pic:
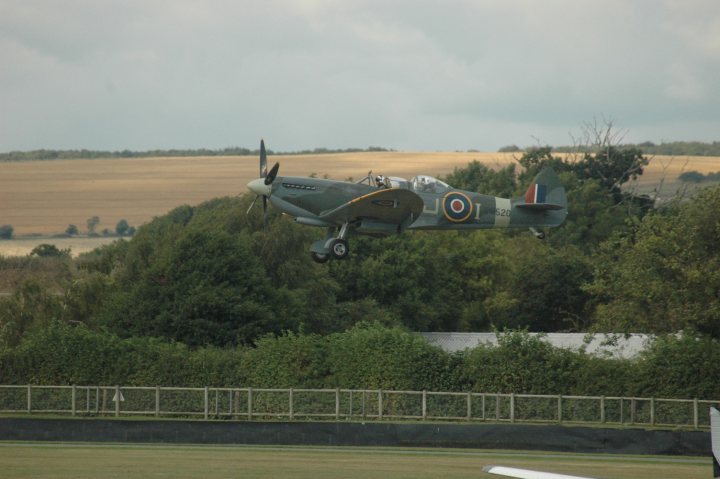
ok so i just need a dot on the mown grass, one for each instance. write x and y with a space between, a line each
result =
21 460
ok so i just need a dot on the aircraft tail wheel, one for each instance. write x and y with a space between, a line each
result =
339 248
538 234
319 258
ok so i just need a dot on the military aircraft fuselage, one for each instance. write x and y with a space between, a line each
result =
307 199
380 206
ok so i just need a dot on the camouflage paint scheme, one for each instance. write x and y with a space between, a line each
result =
381 207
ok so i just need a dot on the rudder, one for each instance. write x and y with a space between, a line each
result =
544 193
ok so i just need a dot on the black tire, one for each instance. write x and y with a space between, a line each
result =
339 248
319 257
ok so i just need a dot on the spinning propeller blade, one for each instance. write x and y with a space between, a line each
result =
273 173
251 205
263 160
261 186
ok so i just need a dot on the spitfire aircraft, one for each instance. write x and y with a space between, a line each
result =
381 206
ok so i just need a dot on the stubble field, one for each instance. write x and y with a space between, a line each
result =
44 197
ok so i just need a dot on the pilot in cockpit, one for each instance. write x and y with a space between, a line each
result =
381 182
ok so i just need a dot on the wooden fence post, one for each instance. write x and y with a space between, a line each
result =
652 411
512 407
380 404
206 400
337 404
424 404
290 405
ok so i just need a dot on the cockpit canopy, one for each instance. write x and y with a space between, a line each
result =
428 184
420 184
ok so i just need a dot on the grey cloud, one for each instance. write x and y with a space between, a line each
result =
404 74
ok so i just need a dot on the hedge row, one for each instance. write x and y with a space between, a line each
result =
368 356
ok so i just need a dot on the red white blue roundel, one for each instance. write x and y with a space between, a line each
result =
457 207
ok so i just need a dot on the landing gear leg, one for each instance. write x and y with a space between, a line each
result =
339 247
319 251
335 247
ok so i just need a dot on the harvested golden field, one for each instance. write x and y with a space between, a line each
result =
23 246
44 197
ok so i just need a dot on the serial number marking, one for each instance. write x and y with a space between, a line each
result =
502 212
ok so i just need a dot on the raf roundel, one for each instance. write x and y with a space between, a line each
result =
457 207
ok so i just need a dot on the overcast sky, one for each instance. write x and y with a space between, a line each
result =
410 75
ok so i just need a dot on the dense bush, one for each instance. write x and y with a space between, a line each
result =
369 356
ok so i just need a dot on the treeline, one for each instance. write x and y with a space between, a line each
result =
211 278
697 177
368 356
672 148
230 151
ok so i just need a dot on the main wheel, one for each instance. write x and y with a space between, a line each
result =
339 248
319 257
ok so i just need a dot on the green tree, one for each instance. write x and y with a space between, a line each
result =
544 290
6 232
30 307
478 177
92 223
72 230
49 250
287 360
207 288
612 167
525 364
509 149
663 277
370 356
679 366
429 281
122 227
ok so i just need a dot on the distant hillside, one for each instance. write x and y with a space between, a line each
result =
674 148
231 151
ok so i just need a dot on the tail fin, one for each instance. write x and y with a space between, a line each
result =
545 193
715 440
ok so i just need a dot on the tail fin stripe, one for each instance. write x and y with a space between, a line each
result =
537 193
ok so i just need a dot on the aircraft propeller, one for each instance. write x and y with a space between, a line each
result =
262 186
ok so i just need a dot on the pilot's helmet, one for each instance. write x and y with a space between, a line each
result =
380 180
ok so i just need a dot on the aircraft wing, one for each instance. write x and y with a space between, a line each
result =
527 474
392 205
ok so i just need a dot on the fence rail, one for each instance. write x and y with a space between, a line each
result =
351 404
